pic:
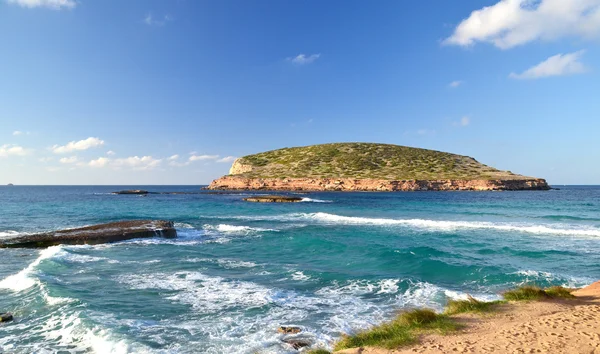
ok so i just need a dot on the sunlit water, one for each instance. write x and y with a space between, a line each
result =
333 264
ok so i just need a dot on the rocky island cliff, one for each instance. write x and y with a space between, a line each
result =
367 167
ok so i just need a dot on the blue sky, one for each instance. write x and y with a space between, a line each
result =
169 92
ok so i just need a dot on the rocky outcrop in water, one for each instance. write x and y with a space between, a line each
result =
132 191
273 199
96 234
349 184
5 317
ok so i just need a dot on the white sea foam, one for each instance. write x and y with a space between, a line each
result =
182 225
300 276
25 278
8 233
68 330
362 287
440 225
563 280
236 229
206 293
437 225
82 258
311 200
225 263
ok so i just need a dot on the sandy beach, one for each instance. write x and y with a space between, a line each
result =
556 326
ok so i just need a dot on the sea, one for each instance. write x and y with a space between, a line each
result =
332 264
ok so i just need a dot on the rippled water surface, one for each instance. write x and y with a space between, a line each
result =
332 264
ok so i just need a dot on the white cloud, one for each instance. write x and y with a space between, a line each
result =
455 84
99 162
110 153
227 159
53 4
18 132
151 21
558 65
510 23
463 122
12 150
203 157
174 157
67 160
138 163
77 145
302 59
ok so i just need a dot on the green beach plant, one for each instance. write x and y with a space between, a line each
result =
400 331
530 292
470 305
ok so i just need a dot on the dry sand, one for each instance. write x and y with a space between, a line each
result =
557 326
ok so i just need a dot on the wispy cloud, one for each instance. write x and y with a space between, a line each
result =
13 150
303 59
99 162
150 20
227 159
455 84
463 122
133 162
510 23
110 153
69 160
53 4
202 157
139 163
19 132
77 145
558 65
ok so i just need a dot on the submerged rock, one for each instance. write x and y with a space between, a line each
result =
273 199
5 317
96 234
289 330
132 191
297 342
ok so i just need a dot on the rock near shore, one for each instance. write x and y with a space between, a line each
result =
96 234
349 184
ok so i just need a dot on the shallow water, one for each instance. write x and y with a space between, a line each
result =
333 264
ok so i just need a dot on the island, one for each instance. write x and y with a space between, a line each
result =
368 167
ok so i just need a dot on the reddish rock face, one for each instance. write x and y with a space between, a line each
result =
348 184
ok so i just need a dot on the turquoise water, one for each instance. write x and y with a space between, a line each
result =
333 264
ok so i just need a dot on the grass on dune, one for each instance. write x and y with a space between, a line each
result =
401 331
529 293
318 351
471 305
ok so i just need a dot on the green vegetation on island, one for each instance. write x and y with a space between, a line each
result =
365 161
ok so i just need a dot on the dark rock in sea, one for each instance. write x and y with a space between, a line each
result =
10 184
289 330
273 199
132 191
96 234
297 342
5 317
